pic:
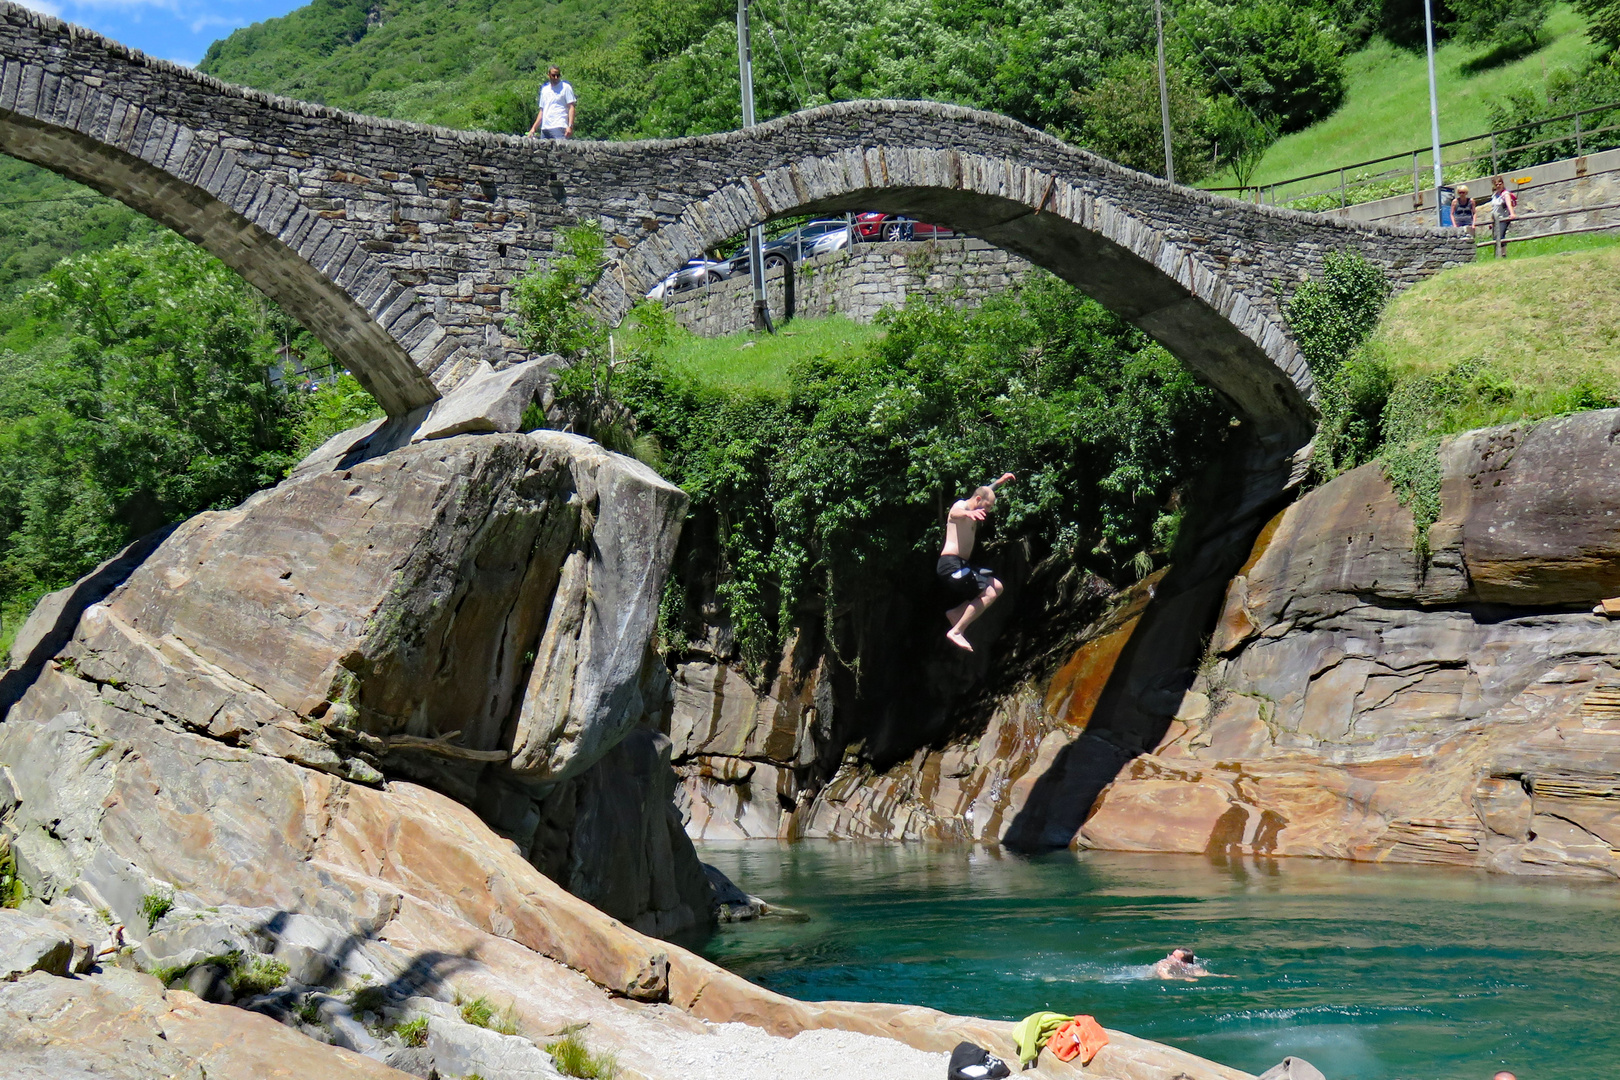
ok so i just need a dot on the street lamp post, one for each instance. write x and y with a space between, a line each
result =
1164 94
756 234
1434 111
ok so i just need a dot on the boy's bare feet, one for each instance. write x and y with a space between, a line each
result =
956 637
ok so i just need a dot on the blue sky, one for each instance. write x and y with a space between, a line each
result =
173 29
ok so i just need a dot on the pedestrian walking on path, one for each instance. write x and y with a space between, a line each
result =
1504 208
555 120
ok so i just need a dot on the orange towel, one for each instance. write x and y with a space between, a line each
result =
1081 1037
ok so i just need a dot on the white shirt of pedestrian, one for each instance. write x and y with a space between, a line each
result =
554 102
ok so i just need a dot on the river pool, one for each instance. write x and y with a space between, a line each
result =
1369 972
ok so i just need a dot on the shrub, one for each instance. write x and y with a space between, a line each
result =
12 890
549 303
830 494
1332 315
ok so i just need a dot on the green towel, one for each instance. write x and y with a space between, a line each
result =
1033 1031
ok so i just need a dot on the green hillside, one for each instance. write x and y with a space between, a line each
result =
470 64
1531 336
1386 108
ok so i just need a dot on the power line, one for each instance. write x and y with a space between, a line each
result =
782 60
1215 68
793 44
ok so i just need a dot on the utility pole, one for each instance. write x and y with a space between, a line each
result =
1164 94
1434 108
756 235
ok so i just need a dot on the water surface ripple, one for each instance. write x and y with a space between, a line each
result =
1369 972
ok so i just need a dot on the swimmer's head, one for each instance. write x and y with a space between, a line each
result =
1183 956
1504 1075
983 498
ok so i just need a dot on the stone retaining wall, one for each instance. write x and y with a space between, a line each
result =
858 283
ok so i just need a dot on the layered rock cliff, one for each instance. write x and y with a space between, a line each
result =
1364 699
1361 695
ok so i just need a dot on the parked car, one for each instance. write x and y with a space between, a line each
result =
695 273
815 238
875 226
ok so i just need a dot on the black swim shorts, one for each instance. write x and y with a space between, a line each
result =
961 580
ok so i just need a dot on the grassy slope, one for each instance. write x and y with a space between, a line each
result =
1542 325
750 361
1386 109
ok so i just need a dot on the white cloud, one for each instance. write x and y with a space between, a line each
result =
44 7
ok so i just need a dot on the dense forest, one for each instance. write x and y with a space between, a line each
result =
141 382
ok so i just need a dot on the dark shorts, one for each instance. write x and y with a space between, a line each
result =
554 133
961 580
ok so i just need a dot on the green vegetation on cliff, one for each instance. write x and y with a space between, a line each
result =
820 484
1492 342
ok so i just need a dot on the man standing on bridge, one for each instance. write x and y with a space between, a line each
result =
556 116
975 585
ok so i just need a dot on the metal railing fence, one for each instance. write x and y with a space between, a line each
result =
1572 134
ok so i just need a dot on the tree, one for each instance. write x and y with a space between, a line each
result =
1280 59
1510 26
1602 22
1239 139
1123 122
145 395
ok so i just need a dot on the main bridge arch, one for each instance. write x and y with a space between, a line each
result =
397 243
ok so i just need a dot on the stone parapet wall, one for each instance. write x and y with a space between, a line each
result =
1589 184
858 283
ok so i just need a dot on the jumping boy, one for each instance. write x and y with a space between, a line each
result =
975 585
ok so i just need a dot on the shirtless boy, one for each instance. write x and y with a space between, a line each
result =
976 586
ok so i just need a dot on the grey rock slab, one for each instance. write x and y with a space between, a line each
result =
489 400
29 944
460 1049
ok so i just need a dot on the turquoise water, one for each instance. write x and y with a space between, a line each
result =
1369 972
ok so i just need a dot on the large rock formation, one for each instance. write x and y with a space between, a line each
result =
1365 700
438 597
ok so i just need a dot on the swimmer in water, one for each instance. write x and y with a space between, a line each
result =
1504 1075
1180 964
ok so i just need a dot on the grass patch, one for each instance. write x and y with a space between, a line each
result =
1532 337
155 905
1554 245
12 890
1386 108
750 361
413 1032
573 1058
257 975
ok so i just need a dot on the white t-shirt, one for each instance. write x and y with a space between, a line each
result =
554 102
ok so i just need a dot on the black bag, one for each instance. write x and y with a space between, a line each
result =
970 1062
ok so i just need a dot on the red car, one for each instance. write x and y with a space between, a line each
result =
869 227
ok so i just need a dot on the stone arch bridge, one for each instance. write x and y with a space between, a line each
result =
396 243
